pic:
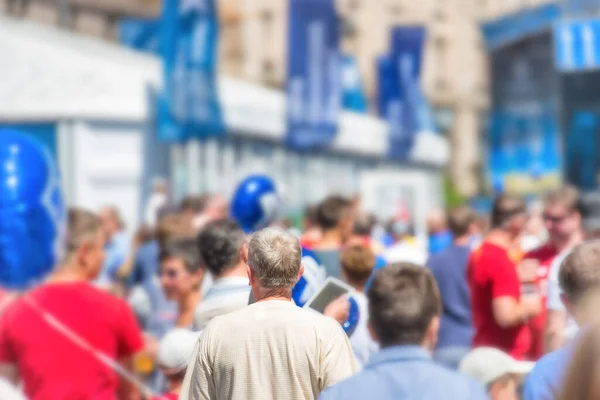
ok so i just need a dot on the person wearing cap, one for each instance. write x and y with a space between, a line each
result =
579 278
174 352
497 371
220 244
271 349
404 317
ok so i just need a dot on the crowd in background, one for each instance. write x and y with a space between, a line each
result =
489 307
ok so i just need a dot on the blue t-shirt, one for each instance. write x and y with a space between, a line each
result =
545 381
450 271
439 242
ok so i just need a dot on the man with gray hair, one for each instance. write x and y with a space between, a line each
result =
271 349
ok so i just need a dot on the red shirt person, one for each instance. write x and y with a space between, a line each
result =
53 336
562 220
499 312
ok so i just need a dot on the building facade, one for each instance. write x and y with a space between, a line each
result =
254 41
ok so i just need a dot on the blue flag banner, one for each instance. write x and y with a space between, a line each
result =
140 34
407 50
313 83
354 98
189 106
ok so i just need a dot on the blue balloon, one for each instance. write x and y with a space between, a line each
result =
255 203
31 211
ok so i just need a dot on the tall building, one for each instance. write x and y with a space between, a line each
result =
254 46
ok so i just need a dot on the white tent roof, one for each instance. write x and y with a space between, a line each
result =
51 74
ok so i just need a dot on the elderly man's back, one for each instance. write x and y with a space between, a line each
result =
269 350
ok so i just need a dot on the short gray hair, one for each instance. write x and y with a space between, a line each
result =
274 256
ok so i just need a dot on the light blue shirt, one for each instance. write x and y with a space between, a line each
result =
406 373
545 380
115 252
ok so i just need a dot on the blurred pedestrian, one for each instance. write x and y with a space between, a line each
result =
312 233
61 337
501 374
358 262
500 312
271 349
440 236
220 243
174 352
157 200
335 219
562 218
181 274
579 278
116 245
201 209
581 378
449 267
404 312
405 247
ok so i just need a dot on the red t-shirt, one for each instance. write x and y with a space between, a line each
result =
545 255
51 365
492 274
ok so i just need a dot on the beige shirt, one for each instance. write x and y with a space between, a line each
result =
268 350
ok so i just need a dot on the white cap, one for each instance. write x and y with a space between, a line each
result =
486 364
176 348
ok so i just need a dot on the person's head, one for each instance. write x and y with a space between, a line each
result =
562 214
181 269
497 371
84 253
193 205
273 261
220 243
111 220
364 223
581 378
357 264
310 218
404 306
175 351
335 214
173 226
509 214
436 221
461 222
579 280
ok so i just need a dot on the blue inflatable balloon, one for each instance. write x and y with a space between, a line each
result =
255 203
31 211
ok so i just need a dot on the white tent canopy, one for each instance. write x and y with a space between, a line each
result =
50 74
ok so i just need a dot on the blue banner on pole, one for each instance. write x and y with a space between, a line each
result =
313 83
407 50
354 98
189 106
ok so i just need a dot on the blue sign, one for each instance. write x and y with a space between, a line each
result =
353 93
407 51
513 27
313 83
577 45
189 106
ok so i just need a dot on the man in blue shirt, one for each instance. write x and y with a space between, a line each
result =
404 310
450 271
579 279
116 246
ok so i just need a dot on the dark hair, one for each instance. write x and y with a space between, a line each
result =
184 249
195 203
460 220
220 243
580 271
364 224
331 211
505 207
358 263
403 299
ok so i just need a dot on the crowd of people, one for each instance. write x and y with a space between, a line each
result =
205 302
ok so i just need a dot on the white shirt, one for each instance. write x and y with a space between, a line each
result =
156 201
405 252
9 392
224 296
362 343
268 350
